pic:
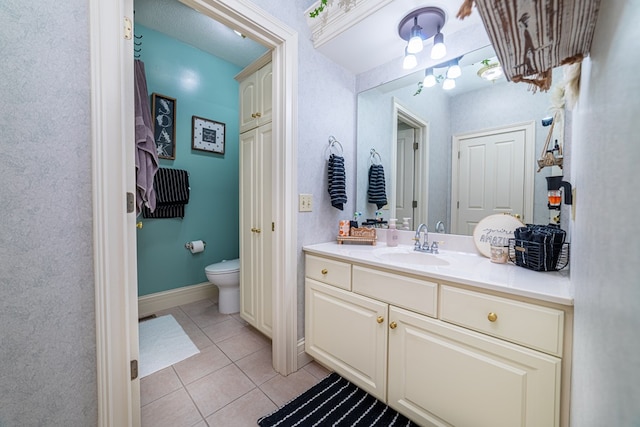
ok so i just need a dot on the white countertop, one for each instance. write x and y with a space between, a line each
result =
464 267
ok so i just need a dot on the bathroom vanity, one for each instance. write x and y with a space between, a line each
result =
448 339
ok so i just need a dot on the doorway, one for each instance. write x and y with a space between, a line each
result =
409 166
114 174
491 174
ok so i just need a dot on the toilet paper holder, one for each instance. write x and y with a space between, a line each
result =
189 245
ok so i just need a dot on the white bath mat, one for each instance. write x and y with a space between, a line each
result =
163 342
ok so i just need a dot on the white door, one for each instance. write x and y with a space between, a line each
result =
256 233
405 168
491 177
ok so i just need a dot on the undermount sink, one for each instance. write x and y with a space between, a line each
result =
410 257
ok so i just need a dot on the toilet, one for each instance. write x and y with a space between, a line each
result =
226 276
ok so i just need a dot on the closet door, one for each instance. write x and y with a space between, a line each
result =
256 232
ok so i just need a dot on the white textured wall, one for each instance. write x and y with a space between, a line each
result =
606 248
47 322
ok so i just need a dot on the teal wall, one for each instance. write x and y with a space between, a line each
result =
203 85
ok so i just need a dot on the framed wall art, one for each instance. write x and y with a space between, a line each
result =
163 111
208 135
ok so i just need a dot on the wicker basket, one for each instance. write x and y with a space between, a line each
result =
537 256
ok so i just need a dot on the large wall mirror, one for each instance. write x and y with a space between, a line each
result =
427 185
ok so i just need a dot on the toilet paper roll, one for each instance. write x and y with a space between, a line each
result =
196 246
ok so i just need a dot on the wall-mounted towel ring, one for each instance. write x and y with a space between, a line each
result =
334 147
375 158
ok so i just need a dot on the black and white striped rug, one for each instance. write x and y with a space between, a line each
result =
334 401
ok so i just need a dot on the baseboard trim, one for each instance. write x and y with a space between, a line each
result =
149 304
303 358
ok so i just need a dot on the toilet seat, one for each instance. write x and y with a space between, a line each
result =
223 267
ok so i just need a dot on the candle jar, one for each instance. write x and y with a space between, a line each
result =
555 198
499 254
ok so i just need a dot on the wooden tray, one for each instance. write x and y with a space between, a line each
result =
353 239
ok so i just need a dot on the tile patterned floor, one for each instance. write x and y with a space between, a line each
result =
230 383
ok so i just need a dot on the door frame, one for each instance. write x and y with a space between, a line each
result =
421 169
113 175
529 129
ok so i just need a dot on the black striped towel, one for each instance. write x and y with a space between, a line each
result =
335 401
377 188
337 182
172 194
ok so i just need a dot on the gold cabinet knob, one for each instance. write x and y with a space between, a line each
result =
380 319
258 230
253 230
393 325
517 216
253 115
492 317
324 271
258 115
139 224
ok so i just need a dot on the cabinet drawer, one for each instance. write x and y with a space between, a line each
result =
531 325
413 294
328 271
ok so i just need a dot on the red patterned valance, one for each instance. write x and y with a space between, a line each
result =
531 37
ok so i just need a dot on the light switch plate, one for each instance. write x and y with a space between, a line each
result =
304 202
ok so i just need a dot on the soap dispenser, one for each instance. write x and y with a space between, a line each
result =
392 233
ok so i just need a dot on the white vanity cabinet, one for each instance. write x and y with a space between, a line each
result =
440 353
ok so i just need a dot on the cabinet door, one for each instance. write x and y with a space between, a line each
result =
347 333
248 103
255 228
434 367
265 94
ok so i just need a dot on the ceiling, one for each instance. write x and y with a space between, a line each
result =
374 41
185 24
370 43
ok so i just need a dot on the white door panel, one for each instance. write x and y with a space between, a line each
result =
491 177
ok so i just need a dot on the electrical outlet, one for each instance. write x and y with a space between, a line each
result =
304 202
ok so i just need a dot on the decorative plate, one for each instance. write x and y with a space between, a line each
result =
494 230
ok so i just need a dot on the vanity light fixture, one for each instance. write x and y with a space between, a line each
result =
439 50
416 40
410 61
429 79
454 71
421 25
448 84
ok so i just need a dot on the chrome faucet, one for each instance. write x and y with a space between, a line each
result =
424 247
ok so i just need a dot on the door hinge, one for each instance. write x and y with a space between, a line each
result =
131 202
414 204
415 145
273 226
458 155
134 369
128 28
458 205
